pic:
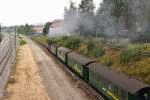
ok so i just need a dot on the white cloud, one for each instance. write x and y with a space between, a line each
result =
13 12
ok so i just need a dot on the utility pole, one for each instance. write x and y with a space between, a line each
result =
0 28
15 40
0 32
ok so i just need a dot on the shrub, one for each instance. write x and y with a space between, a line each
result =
129 55
94 49
22 42
107 60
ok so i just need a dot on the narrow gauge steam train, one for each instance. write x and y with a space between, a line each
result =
113 85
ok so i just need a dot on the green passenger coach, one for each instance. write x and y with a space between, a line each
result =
78 63
53 49
117 86
114 85
62 54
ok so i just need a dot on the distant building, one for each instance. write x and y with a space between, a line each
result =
38 29
57 28
57 23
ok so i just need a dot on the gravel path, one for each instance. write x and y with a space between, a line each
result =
39 77
26 82
57 83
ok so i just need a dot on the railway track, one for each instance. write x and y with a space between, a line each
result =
145 53
79 82
6 54
7 59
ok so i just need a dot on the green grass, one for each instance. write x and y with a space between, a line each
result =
22 42
42 38
127 59
129 55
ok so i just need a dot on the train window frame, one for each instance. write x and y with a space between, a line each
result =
123 92
110 86
116 91
104 83
77 65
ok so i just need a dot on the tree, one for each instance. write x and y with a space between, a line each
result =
119 8
25 29
28 29
71 18
87 17
20 29
87 6
46 27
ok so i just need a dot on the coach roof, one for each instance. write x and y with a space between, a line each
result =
79 58
125 82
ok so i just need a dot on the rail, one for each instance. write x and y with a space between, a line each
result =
142 52
8 48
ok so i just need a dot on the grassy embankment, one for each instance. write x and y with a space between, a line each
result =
127 60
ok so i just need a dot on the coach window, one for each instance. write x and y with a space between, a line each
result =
123 95
110 86
116 92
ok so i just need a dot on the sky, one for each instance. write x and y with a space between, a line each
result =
17 12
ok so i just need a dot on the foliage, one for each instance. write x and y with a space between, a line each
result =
94 49
69 42
140 46
25 29
106 60
86 6
119 8
127 60
71 18
87 18
42 38
22 42
129 55
91 48
46 27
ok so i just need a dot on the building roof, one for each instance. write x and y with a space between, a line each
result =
38 28
125 82
57 23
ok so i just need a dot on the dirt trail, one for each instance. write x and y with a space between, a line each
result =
58 84
28 83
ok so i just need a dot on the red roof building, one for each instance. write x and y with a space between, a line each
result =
38 29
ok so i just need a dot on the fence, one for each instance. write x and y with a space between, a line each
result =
8 48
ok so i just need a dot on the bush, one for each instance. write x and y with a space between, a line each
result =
94 49
42 38
69 42
72 43
91 48
22 42
129 55
107 60
88 47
